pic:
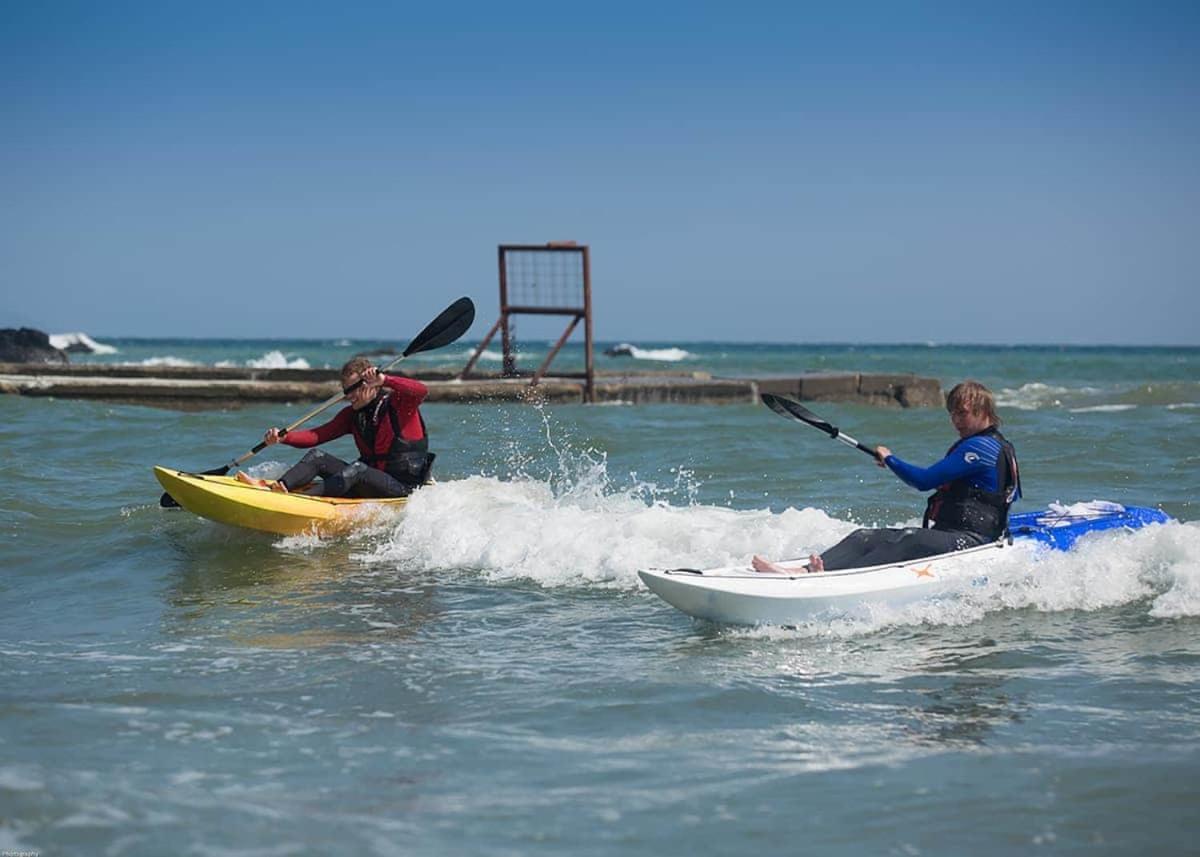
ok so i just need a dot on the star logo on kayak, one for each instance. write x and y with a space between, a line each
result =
923 572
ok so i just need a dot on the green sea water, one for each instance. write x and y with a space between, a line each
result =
485 674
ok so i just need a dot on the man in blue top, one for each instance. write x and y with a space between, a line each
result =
976 483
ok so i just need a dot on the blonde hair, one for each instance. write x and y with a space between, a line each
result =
355 366
975 398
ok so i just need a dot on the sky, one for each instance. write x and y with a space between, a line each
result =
1019 172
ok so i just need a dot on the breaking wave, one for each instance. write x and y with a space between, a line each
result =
1114 398
80 342
666 355
271 360
582 527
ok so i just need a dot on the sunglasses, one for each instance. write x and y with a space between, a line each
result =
349 391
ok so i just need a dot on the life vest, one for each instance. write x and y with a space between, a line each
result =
407 460
958 505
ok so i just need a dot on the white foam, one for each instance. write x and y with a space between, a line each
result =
168 360
1030 397
1158 565
1102 409
525 529
580 526
1177 565
66 340
586 532
277 360
667 355
271 360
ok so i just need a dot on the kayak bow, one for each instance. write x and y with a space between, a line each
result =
227 501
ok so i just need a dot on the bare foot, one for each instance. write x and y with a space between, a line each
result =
247 479
765 566
761 564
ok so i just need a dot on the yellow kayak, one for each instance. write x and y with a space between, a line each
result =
224 499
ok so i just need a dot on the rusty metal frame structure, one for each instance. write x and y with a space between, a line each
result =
577 314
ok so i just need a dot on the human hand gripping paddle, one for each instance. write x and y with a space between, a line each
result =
796 411
452 323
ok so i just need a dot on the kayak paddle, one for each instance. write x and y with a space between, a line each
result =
796 411
450 324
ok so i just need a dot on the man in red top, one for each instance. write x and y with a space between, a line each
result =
388 430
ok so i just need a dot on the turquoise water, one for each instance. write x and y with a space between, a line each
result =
485 674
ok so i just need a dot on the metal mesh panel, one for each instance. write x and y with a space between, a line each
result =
545 278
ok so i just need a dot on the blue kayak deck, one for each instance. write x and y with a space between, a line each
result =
1061 529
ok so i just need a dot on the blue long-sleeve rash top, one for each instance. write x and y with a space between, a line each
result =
974 460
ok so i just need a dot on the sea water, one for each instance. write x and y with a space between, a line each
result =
484 674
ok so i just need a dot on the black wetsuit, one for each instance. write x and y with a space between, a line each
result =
343 478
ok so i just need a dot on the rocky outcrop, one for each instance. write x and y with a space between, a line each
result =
26 345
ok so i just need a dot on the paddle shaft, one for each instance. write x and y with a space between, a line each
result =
849 441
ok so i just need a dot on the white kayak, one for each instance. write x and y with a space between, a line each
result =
739 595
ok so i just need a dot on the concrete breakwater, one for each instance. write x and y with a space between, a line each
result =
203 387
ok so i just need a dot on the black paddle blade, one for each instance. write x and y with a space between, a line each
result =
447 327
796 411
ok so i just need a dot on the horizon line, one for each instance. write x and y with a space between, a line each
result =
685 341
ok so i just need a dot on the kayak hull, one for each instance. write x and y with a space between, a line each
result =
738 595
227 501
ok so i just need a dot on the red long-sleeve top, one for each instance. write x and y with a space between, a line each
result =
404 397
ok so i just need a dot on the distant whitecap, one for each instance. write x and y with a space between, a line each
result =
277 360
1102 409
168 360
667 355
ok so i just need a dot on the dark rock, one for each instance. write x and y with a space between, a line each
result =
622 350
26 345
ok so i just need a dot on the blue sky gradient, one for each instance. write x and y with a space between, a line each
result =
876 172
